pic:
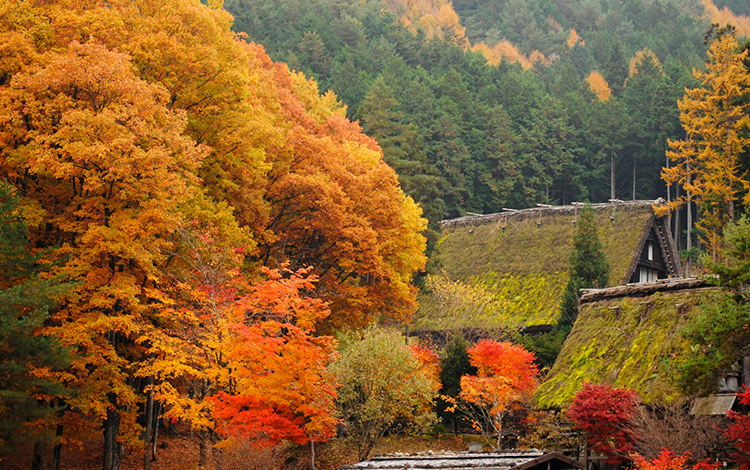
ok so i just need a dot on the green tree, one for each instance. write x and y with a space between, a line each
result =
381 381
381 118
27 358
545 346
454 364
616 68
588 265
718 334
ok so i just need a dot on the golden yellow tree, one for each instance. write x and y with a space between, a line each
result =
715 118
103 161
599 86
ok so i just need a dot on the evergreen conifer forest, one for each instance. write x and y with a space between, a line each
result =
216 220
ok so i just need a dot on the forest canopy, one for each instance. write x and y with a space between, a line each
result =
198 200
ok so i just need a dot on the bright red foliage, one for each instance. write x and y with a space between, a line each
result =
738 432
668 460
281 390
604 413
504 359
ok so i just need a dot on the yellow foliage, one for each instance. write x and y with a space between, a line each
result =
574 39
538 57
644 56
505 50
447 21
725 15
166 117
715 119
598 84
434 17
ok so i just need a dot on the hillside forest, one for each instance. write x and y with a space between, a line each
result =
217 216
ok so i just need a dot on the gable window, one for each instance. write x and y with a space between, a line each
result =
647 274
650 250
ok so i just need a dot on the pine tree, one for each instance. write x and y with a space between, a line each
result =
381 118
454 364
588 265
26 358
616 68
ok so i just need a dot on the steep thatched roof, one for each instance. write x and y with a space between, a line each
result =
626 336
509 269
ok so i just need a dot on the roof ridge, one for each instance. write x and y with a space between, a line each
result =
544 208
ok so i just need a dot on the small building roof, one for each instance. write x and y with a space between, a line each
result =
717 404
626 336
509 269
516 460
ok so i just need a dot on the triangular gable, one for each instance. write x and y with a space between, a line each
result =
656 256
550 461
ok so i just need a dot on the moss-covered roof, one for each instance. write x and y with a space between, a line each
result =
627 341
509 269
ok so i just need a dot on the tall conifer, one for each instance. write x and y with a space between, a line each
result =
26 358
588 265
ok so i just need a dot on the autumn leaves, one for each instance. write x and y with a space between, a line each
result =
707 161
210 210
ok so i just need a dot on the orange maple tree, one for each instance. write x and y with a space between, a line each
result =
336 206
100 158
281 389
241 358
506 376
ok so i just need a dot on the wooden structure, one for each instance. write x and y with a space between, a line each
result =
657 257
517 460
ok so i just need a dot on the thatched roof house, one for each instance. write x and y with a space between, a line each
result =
626 336
508 270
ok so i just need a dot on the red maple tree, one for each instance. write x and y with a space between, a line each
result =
738 433
668 460
604 414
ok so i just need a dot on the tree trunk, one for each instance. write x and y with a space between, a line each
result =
39 459
669 189
111 446
500 433
57 451
612 176
689 235
312 455
677 227
149 426
204 452
156 431
634 162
